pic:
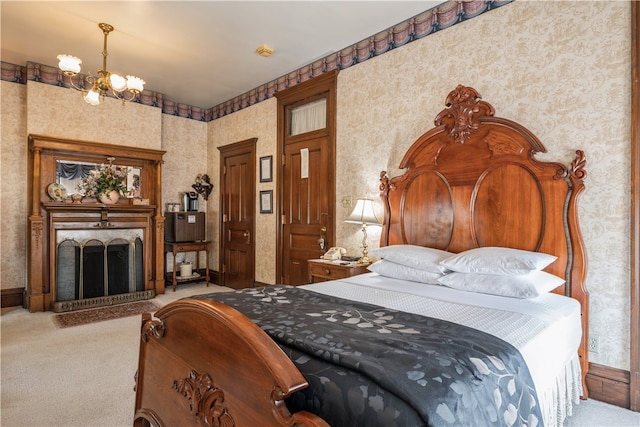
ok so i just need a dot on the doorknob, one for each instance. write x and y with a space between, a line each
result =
323 229
247 235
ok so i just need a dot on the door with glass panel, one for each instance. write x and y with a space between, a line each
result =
306 196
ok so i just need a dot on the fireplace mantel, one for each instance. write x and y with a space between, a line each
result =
47 216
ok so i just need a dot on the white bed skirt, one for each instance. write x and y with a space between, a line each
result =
556 403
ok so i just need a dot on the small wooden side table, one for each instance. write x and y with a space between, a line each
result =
176 248
321 270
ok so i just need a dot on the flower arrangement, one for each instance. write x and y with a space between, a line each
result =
104 180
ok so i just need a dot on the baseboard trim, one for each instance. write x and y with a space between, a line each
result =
214 276
13 297
609 385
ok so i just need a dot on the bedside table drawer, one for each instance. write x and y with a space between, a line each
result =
323 271
320 271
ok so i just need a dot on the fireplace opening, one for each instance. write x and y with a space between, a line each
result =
99 267
92 270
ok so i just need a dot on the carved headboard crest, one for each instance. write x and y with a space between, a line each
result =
464 107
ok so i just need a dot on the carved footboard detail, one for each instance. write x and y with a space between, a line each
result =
204 364
151 327
205 399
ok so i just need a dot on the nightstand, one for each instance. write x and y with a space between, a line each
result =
321 270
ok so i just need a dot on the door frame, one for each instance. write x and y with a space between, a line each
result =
324 83
634 381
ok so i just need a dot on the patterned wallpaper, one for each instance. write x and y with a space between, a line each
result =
63 113
560 68
13 200
185 143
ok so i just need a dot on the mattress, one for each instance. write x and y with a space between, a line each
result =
546 330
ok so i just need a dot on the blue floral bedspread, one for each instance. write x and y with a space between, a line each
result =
369 365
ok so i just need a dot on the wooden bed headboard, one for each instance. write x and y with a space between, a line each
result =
473 181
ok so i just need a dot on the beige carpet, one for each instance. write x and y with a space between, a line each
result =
83 317
84 376
81 376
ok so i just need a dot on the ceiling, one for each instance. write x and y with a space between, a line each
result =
200 53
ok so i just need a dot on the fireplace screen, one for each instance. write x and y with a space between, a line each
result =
98 263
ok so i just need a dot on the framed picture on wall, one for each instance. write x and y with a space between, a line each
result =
266 164
266 201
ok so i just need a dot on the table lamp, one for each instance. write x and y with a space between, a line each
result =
364 214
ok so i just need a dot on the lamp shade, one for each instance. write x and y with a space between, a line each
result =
69 64
363 213
135 84
92 97
118 82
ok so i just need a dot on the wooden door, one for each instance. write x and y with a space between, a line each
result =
306 206
306 184
237 212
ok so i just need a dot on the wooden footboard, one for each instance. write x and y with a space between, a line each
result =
202 363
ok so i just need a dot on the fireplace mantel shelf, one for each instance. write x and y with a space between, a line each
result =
97 211
97 207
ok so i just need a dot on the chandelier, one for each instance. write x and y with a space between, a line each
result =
123 88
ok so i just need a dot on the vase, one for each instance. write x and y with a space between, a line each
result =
110 198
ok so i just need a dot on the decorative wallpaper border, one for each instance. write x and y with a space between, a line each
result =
438 18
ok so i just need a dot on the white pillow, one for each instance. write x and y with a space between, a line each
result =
399 271
497 260
530 285
419 257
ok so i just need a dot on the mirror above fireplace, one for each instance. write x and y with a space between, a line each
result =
69 173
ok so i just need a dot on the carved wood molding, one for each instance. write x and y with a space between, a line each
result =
577 174
385 186
498 144
36 232
151 327
464 108
577 166
205 399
